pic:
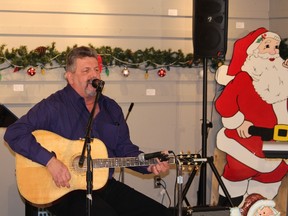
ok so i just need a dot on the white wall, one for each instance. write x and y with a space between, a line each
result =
169 120
279 17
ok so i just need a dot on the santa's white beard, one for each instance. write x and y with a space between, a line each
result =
270 78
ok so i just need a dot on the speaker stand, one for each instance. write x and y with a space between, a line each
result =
201 198
203 161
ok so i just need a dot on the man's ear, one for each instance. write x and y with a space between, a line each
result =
69 77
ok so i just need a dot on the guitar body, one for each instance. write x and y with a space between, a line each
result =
35 182
36 185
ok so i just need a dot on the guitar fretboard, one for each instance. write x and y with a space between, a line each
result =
121 162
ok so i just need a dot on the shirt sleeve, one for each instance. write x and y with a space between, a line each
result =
20 138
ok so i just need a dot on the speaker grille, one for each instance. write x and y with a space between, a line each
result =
209 41
210 28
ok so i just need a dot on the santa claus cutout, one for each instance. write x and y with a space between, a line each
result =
255 94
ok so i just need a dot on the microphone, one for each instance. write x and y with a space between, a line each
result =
160 155
97 83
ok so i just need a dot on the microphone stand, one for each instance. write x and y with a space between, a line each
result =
180 184
87 148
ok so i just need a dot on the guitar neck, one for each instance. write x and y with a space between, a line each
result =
45 191
124 162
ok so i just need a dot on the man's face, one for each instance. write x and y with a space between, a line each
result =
270 46
86 70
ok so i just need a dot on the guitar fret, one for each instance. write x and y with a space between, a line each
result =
71 158
121 162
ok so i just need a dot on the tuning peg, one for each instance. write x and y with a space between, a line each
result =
190 168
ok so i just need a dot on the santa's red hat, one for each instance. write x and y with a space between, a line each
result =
240 50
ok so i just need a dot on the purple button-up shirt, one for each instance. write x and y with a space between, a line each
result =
65 114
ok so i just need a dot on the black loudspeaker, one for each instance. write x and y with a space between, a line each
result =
210 26
202 211
211 211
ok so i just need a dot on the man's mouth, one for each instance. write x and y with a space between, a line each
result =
271 59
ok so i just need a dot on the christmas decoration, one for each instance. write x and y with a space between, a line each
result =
125 72
161 72
43 71
146 75
100 65
255 204
48 57
107 71
16 69
41 50
31 71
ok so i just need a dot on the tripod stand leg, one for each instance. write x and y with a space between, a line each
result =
210 161
188 184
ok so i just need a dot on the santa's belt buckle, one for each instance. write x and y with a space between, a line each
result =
280 133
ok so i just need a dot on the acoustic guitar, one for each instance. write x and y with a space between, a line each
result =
35 183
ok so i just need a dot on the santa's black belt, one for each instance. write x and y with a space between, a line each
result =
278 133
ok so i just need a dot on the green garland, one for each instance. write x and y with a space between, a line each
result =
43 56
48 56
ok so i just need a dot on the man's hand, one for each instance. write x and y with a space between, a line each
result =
59 172
160 167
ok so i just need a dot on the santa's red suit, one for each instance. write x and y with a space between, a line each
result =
238 102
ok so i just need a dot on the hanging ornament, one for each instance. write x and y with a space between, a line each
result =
100 64
107 71
125 72
41 50
16 69
31 71
161 72
43 71
146 75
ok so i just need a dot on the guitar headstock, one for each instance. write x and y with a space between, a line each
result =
188 158
189 161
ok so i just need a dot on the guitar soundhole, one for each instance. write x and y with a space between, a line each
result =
76 167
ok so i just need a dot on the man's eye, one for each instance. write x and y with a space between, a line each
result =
267 46
277 47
